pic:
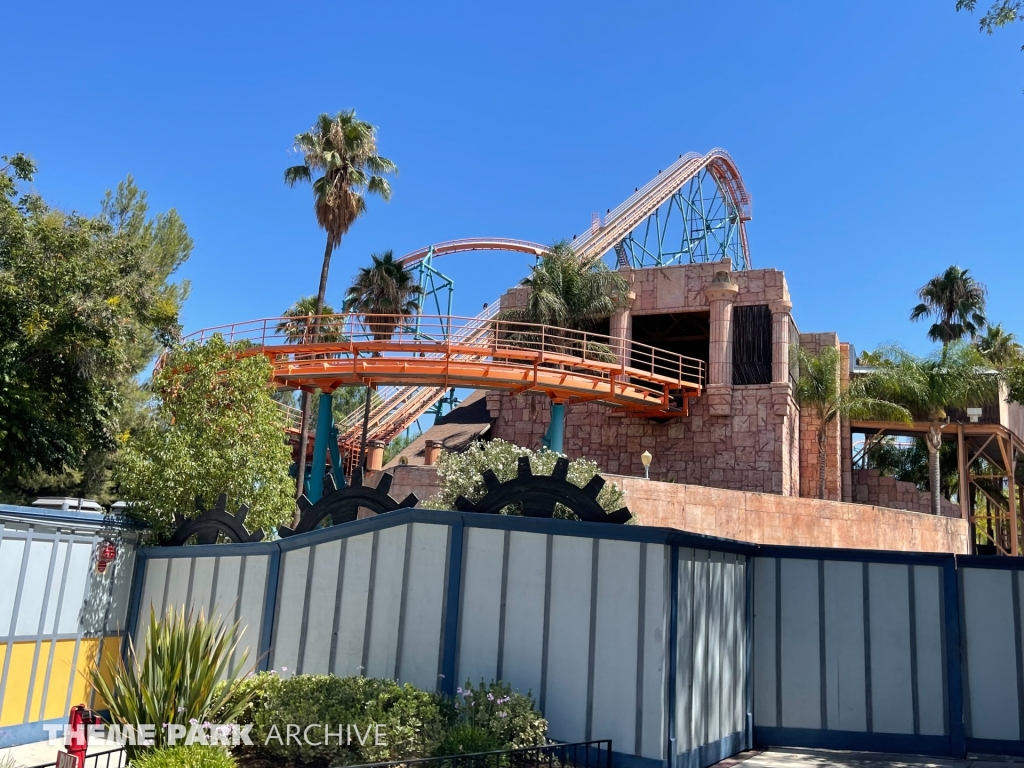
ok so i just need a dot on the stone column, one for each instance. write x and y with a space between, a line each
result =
781 309
721 294
620 329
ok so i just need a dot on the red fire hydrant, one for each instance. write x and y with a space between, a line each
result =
77 739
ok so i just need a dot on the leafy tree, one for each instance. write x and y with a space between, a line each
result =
567 291
998 347
343 150
955 377
397 445
383 293
1000 14
819 389
908 461
957 300
218 430
84 305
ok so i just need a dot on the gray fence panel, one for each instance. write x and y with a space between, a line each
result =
382 651
845 664
566 681
931 661
355 593
616 663
318 609
892 704
765 648
992 654
480 605
522 656
801 653
423 607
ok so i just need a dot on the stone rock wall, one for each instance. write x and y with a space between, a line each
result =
871 487
753 449
763 518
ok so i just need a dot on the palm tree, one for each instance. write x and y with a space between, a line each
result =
957 300
998 347
955 377
383 293
343 150
819 388
298 327
569 291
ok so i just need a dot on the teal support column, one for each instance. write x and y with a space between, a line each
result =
336 469
324 422
555 436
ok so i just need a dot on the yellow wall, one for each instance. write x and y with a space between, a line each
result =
23 676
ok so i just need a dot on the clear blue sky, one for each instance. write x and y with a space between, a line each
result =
881 140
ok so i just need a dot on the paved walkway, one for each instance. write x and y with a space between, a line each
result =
820 758
42 752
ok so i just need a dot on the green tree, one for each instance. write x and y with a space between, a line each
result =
998 347
957 301
84 304
819 389
217 430
955 377
568 291
297 324
383 293
1000 14
343 150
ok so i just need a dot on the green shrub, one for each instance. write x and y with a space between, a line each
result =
467 739
461 474
509 717
411 720
193 756
178 680
252 691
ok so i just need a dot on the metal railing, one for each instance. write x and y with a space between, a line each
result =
428 337
584 754
110 758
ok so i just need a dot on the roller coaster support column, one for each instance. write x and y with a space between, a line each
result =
721 294
555 436
324 422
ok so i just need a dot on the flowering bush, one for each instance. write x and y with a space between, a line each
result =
508 717
461 474
194 756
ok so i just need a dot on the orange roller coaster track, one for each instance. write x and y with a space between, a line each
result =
442 351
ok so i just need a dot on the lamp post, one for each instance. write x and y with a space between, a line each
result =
646 457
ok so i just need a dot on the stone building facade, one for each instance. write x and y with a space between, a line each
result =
743 433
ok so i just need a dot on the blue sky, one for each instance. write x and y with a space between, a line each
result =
881 141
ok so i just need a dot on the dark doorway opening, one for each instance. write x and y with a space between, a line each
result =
685 333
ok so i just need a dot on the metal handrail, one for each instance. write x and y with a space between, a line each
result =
95 758
476 337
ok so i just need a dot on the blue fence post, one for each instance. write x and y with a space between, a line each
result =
451 618
954 677
270 608
134 601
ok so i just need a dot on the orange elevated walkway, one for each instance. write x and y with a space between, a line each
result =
442 351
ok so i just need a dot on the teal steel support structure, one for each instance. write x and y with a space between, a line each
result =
324 428
554 438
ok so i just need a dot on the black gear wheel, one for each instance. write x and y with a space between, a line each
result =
538 494
342 505
212 522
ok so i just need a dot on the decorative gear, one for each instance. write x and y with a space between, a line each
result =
211 522
540 493
342 505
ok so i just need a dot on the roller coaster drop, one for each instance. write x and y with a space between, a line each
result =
694 211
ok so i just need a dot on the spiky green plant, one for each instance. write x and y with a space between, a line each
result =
178 678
